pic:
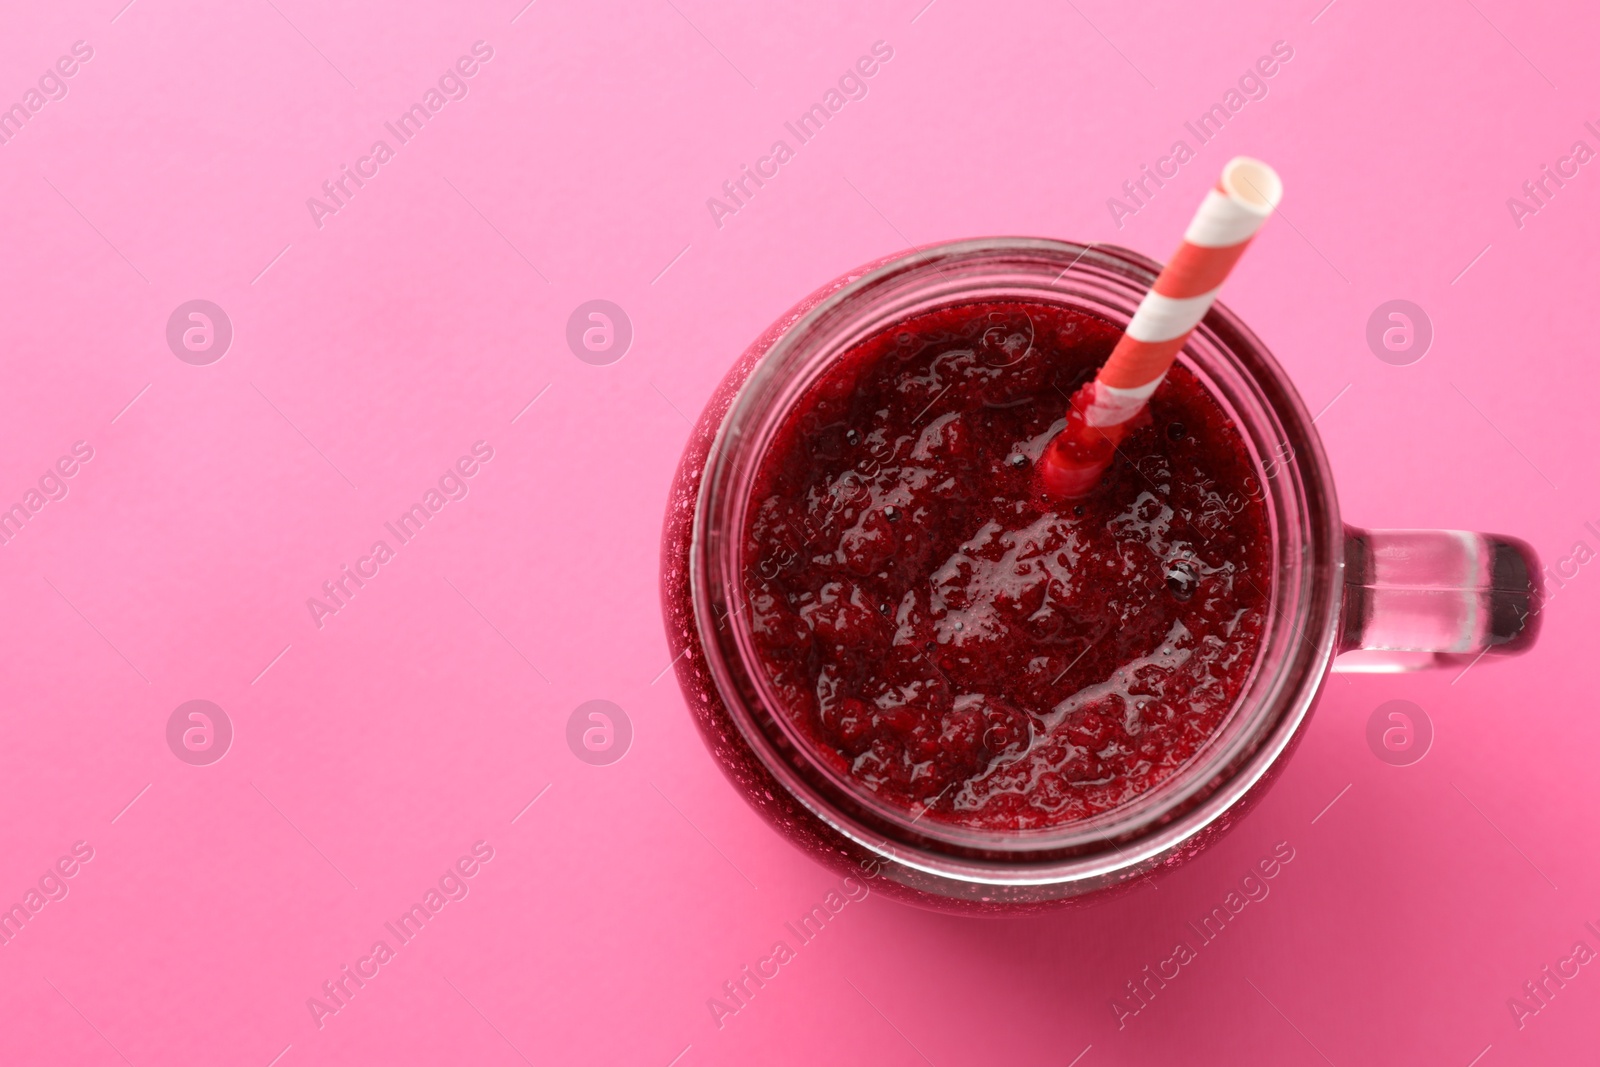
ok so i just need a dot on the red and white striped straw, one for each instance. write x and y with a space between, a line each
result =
1101 411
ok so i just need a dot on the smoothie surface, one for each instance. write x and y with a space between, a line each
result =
962 648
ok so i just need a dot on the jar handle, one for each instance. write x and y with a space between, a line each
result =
1419 598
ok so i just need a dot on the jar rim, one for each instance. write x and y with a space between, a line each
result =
1297 642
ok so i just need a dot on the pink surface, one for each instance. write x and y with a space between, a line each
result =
371 753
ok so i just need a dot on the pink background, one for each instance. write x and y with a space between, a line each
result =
426 714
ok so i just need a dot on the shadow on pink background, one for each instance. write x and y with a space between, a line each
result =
370 353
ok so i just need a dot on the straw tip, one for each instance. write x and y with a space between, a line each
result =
1252 184
1061 482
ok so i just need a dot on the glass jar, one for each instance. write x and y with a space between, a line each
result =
1412 596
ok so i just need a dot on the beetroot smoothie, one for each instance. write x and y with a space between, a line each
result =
958 646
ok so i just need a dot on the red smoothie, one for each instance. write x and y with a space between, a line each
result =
959 646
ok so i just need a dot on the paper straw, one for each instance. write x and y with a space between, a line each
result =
1183 292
